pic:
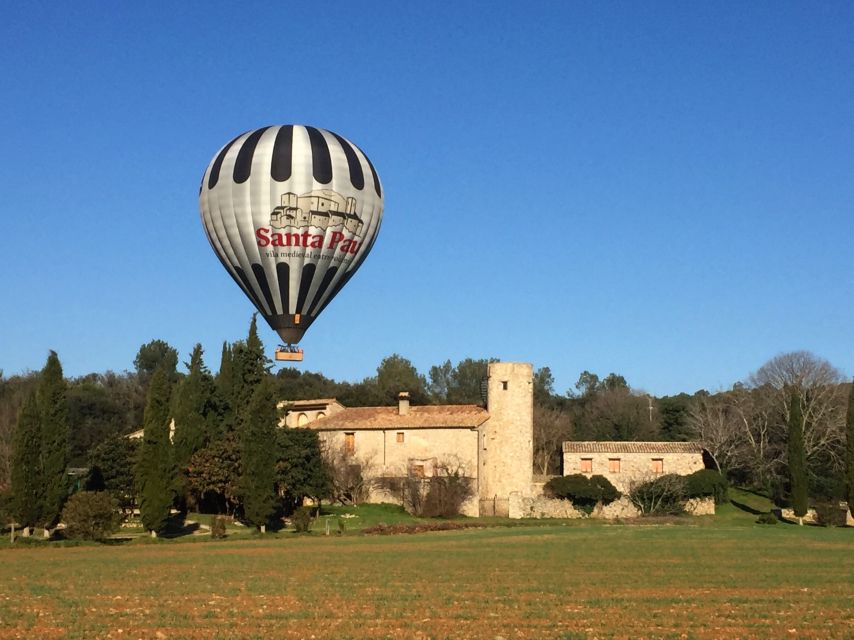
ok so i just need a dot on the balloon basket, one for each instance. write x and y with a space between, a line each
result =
289 354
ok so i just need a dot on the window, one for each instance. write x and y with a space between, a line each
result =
587 465
302 420
320 415
504 384
613 465
657 465
400 437
417 471
350 443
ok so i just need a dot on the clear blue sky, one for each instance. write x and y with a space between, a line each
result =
662 190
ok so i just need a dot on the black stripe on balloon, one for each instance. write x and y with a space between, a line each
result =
243 164
247 287
283 274
261 277
321 162
281 165
357 176
377 187
304 285
324 285
334 293
343 281
213 178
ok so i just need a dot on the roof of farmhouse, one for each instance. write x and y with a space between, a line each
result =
421 417
632 447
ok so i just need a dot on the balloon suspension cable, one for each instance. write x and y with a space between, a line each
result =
289 353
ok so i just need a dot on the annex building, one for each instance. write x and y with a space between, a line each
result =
626 462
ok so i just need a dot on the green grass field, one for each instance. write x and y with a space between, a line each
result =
709 577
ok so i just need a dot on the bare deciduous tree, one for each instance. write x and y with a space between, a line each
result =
349 475
818 385
715 423
551 428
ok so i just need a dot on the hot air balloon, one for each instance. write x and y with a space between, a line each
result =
291 212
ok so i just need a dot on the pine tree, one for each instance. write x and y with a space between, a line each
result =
53 413
154 471
26 465
849 452
258 456
797 459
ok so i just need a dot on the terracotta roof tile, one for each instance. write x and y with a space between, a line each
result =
422 417
632 447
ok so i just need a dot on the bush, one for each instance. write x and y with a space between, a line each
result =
90 515
829 514
663 496
302 519
766 518
585 493
441 495
218 527
706 482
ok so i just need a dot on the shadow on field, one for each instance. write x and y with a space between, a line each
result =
177 528
746 508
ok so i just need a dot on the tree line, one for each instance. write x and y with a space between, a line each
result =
206 435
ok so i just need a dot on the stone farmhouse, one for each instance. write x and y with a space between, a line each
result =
492 446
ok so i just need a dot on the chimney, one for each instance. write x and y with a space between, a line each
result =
403 403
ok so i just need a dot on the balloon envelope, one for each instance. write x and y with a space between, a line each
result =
291 212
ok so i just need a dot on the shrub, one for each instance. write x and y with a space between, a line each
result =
829 514
302 519
442 495
664 495
585 493
706 482
766 518
218 527
90 515
447 492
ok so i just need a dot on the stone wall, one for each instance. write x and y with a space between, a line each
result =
541 507
700 506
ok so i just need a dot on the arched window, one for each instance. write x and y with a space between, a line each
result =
320 415
302 420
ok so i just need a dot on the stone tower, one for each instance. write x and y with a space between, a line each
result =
506 438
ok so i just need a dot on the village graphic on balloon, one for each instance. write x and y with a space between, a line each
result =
291 212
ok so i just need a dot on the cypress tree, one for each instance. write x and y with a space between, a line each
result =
849 451
225 390
249 369
154 471
26 465
258 456
53 412
192 409
797 458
